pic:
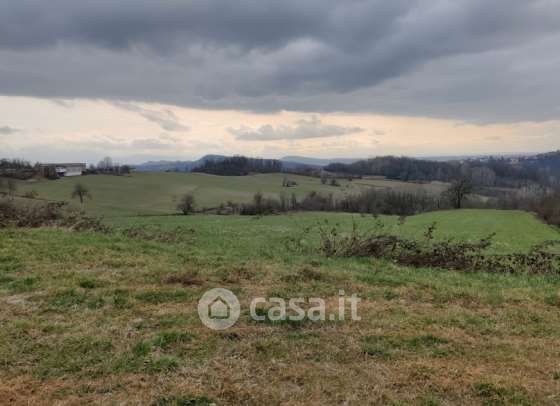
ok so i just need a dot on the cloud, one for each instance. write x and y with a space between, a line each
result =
166 119
6 130
304 129
149 143
68 104
467 59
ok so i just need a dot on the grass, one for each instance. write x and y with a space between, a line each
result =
388 346
95 318
516 231
146 193
112 318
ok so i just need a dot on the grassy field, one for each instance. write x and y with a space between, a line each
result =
516 231
112 318
158 193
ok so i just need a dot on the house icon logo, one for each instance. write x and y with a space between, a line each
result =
218 309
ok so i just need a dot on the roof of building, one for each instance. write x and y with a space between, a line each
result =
63 164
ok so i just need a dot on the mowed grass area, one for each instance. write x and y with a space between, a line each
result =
158 193
111 318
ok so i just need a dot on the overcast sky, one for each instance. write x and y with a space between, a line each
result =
177 79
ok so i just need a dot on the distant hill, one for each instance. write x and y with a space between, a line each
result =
549 161
518 167
317 162
179 166
502 171
289 163
451 158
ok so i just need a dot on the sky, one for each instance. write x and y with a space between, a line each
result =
176 79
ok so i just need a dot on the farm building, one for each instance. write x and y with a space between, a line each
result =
61 170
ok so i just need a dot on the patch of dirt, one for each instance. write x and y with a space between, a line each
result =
185 280
18 300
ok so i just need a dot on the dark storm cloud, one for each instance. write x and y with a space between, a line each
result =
7 130
304 129
469 59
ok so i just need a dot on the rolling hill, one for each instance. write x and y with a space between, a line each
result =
158 193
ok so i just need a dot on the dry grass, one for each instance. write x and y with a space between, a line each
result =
109 319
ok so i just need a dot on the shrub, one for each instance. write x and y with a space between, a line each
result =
31 194
51 214
81 192
448 254
548 208
262 205
186 204
288 182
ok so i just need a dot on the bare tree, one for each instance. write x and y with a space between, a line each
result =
283 202
258 199
458 190
334 182
12 187
81 192
106 163
483 176
293 202
186 204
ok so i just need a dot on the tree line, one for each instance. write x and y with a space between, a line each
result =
459 194
23 170
108 167
543 169
369 201
16 169
239 166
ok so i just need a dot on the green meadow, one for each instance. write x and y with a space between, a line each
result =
516 231
158 193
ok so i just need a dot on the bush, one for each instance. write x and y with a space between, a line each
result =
16 169
261 206
186 204
548 208
31 194
52 214
288 182
448 254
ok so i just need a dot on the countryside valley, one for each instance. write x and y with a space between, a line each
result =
296 202
101 274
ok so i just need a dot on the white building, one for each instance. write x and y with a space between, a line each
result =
62 170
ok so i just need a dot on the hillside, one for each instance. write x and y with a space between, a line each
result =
289 163
302 160
99 314
180 166
515 231
158 193
518 171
